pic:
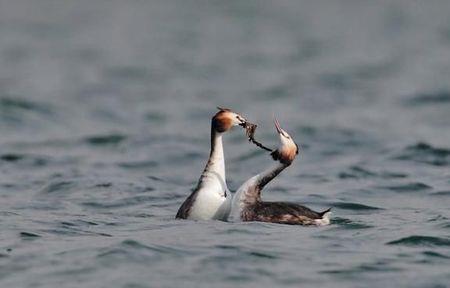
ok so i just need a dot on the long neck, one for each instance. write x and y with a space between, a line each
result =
253 193
216 162
269 174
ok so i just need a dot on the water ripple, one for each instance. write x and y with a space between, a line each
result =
435 254
25 159
349 224
134 251
441 193
10 104
437 98
409 187
124 202
353 206
58 186
28 235
358 172
138 164
379 266
251 253
420 240
105 140
425 153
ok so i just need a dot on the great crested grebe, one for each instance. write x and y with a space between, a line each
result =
211 199
247 204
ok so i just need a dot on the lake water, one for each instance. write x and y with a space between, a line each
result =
105 109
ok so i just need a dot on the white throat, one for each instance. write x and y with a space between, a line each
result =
213 200
216 163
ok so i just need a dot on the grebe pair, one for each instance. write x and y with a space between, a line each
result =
212 199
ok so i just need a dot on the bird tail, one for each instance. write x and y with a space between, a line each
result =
324 218
325 212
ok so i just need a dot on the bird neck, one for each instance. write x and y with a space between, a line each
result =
253 193
216 162
268 175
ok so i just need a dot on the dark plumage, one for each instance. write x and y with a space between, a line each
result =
248 205
281 212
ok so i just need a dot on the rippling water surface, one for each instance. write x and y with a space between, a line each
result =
104 130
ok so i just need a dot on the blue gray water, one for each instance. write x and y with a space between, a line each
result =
104 129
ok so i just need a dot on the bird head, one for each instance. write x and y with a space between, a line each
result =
288 149
226 119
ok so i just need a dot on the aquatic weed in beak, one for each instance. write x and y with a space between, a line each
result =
250 130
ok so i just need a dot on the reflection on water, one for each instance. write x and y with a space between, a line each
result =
104 121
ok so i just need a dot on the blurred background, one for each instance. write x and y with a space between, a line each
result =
105 111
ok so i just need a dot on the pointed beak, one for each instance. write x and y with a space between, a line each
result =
277 125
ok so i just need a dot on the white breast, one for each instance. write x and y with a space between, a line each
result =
238 204
211 202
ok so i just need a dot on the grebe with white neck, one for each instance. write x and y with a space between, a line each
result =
248 206
211 199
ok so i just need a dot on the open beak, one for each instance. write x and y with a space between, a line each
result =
277 125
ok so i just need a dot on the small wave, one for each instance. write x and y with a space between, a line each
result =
441 193
446 225
28 235
76 228
437 218
103 185
237 231
264 255
435 254
156 117
105 140
58 186
26 159
129 243
349 224
354 206
124 202
425 153
419 240
17 112
74 231
235 250
378 266
11 157
358 172
138 164
10 104
85 223
409 187
132 250
439 97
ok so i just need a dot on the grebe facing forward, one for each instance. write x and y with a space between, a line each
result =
211 199
247 204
